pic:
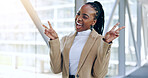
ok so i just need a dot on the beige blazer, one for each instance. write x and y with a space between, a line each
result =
94 58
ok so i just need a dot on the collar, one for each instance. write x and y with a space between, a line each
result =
84 33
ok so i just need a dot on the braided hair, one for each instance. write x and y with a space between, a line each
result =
99 16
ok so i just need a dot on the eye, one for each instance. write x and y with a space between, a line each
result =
78 13
85 17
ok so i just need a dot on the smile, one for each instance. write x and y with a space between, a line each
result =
78 25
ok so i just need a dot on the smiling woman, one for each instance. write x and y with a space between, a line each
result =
85 18
85 53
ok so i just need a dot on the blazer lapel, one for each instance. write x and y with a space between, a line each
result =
68 45
91 39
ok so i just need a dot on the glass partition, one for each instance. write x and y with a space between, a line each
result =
130 50
144 36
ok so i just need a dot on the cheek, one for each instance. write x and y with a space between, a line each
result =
76 17
88 23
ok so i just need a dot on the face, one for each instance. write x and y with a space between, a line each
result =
85 18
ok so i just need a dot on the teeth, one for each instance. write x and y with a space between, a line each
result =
79 23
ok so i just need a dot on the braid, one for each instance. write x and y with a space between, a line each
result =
99 16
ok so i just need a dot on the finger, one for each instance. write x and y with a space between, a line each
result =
46 30
45 27
110 39
117 35
49 30
112 32
120 28
49 35
49 24
115 26
113 38
117 32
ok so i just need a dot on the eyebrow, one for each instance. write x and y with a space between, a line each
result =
83 14
86 15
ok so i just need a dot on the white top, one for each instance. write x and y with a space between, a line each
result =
76 49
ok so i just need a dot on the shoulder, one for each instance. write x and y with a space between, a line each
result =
71 34
96 35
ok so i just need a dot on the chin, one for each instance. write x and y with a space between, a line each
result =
78 30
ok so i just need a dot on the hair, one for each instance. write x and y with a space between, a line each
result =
99 16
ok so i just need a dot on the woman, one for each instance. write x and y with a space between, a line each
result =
85 53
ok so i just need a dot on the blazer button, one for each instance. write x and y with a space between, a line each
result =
77 76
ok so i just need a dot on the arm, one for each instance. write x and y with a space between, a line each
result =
55 56
56 59
55 53
103 55
100 67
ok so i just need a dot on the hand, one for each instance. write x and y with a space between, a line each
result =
50 32
112 34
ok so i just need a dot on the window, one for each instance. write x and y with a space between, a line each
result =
23 52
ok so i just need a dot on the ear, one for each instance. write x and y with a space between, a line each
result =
94 22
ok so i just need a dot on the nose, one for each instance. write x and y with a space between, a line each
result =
79 18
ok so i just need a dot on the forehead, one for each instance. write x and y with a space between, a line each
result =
87 9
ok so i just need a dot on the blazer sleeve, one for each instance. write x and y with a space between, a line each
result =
56 55
100 67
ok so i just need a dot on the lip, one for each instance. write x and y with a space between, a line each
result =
78 25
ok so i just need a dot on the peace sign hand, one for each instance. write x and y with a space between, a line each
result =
50 32
112 34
